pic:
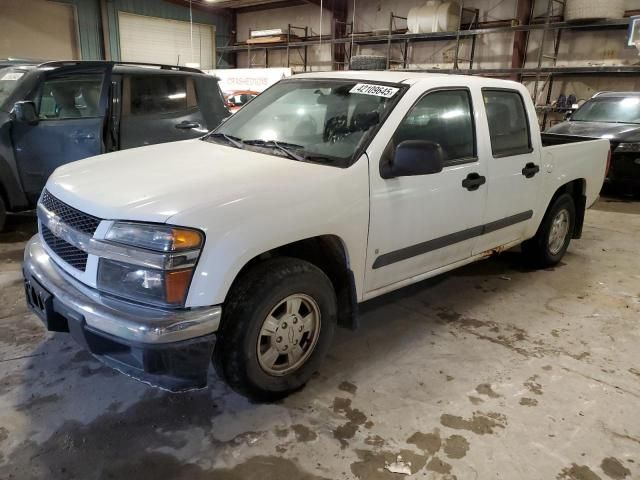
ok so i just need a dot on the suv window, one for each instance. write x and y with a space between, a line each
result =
443 117
508 124
68 97
148 94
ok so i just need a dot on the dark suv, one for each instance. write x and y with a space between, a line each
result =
58 112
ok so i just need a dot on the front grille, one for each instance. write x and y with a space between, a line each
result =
69 215
67 252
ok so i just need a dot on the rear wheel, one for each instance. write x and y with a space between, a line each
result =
554 234
277 326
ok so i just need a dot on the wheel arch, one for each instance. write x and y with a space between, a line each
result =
577 189
329 253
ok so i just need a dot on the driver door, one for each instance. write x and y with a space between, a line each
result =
421 223
72 110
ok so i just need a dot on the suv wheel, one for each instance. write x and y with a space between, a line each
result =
277 326
554 234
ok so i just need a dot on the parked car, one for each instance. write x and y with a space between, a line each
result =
616 117
236 100
54 113
327 190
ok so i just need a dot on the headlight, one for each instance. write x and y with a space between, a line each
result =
628 147
159 267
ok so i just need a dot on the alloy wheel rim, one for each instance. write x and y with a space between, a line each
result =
558 232
289 335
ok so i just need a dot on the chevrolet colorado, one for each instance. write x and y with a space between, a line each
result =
247 247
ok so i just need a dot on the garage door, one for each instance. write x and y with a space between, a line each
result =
38 29
158 40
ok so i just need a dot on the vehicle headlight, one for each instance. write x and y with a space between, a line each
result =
157 269
628 147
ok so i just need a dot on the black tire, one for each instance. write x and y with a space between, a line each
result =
368 62
537 250
3 215
251 299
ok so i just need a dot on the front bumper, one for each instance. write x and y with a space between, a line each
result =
170 349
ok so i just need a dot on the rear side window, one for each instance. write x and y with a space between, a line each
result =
149 94
73 96
443 117
508 124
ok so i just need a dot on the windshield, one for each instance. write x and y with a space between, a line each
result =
8 81
609 109
311 120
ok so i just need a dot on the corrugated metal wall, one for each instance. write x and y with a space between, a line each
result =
89 22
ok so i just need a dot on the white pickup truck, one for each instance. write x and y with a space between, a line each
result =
248 246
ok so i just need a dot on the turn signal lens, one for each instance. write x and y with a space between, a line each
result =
176 286
185 239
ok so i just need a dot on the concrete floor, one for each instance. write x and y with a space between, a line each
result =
491 371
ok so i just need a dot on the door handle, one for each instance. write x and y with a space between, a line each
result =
530 170
473 181
186 125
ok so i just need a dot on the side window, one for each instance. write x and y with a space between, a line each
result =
74 96
508 124
158 94
443 117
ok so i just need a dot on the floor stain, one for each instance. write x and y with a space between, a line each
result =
613 468
4 434
438 466
475 400
304 433
429 442
348 387
151 466
35 403
577 472
533 386
374 441
355 417
528 402
485 389
480 423
77 450
456 446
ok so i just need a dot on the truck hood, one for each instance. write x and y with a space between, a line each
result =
621 132
158 182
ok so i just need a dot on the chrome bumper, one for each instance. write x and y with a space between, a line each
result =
120 319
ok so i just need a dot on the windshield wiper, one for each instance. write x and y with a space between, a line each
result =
282 146
235 141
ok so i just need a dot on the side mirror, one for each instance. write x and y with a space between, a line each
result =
25 112
414 157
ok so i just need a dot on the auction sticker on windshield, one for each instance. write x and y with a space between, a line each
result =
376 90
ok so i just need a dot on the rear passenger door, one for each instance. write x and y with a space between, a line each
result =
158 108
514 173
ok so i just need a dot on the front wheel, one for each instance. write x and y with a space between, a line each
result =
277 326
554 234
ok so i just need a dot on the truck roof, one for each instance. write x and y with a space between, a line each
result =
401 76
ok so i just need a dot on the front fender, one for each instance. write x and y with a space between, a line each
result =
238 232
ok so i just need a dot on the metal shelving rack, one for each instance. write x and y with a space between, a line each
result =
469 31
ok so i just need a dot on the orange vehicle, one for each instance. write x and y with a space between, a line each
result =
237 99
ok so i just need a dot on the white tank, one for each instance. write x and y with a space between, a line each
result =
577 10
434 16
